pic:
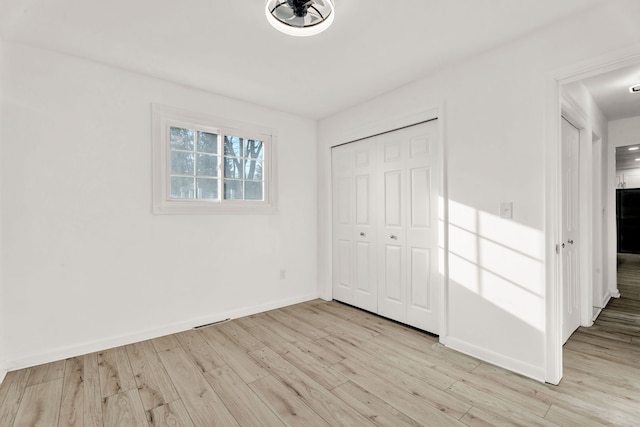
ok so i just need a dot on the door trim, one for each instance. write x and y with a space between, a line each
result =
553 212
578 119
386 131
379 127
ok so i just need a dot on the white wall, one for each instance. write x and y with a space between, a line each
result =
3 346
630 177
624 132
494 127
86 264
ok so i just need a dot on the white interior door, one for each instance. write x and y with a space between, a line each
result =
570 230
366 283
392 287
408 234
423 273
354 254
343 221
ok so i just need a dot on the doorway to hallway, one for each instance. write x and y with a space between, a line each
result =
628 305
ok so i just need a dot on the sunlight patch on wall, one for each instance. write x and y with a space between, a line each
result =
511 234
464 272
498 259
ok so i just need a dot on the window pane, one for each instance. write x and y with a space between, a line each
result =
207 188
207 165
233 146
181 139
232 190
207 142
253 149
182 187
233 168
181 163
253 170
253 190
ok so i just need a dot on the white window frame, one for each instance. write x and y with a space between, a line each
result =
163 118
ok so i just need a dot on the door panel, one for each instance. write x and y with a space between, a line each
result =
364 231
355 276
420 198
393 273
343 191
392 267
420 280
343 276
362 200
393 198
344 265
393 304
422 228
570 230
363 268
392 150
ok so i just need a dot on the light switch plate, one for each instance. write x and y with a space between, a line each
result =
506 210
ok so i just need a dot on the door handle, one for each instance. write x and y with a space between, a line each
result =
362 233
393 236
570 242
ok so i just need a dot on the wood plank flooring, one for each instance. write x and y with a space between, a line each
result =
327 364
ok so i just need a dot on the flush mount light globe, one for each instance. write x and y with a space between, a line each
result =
300 17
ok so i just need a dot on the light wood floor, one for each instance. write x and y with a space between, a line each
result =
327 364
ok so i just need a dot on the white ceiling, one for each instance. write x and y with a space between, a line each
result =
611 92
227 46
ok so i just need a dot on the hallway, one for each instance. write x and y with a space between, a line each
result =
621 317
603 359
629 277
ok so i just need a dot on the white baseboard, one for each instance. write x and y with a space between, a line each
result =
526 369
120 340
602 305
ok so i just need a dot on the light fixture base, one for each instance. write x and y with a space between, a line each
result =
300 17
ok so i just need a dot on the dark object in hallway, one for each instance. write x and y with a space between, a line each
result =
628 220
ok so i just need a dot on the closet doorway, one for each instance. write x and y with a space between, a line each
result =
385 225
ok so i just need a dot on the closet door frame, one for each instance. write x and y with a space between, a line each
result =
375 128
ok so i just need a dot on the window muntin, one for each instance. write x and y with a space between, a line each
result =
243 168
193 164
199 168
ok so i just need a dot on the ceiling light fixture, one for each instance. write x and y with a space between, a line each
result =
300 17
637 160
635 88
633 148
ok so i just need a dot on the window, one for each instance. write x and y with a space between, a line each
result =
204 164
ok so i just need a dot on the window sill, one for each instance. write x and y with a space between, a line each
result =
187 207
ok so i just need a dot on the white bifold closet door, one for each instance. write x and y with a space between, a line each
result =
385 225
355 275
